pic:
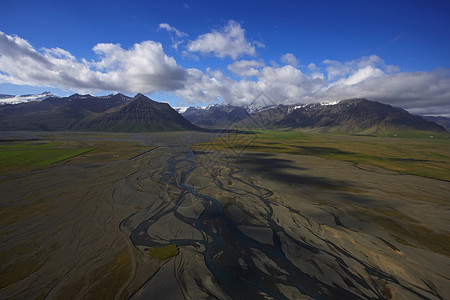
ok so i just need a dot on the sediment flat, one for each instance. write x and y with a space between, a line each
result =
247 224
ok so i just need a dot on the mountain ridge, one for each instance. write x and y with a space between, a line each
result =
442 121
88 113
117 112
356 115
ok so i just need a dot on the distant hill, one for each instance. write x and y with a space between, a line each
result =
357 116
443 121
85 112
216 115
137 115
267 117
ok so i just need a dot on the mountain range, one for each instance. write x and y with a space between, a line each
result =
88 113
141 114
347 116
357 116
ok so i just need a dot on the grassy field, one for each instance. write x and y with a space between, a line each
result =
414 153
32 154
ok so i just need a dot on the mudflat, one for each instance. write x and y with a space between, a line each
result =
225 224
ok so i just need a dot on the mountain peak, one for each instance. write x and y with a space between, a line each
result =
139 95
78 96
140 114
144 99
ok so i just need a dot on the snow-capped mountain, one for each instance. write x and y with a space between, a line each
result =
223 114
353 115
183 109
16 99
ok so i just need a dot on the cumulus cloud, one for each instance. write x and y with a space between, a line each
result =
245 68
312 67
229 41
420 92
143 68
367 77
338 70
289 59
284 84
361 75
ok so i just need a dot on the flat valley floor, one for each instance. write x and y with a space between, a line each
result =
247 225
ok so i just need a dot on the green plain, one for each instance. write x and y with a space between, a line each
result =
30 155
416 153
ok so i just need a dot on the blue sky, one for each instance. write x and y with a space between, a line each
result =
200 52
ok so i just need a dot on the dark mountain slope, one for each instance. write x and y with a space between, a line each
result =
357 115
216 115
137 115
266 118
55 113
443 121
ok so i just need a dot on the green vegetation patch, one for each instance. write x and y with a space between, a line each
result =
164 252
41 154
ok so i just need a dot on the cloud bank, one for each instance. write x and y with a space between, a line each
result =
146 68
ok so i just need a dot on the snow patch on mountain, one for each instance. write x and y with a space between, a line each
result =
16 99
329 103
183 109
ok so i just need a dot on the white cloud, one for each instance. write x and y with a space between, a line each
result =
259 44
246 67
230 41
281 84
312 67
337 70
143 68
415 91
60 53
172 29
418 92
317 75
361 75
177 40
289 59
